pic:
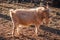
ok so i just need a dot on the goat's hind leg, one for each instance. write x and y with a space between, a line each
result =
13 30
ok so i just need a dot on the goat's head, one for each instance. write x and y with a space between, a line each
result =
43 13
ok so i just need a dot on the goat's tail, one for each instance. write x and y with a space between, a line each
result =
11 12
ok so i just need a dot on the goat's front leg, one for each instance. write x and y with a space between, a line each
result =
36 30
47 21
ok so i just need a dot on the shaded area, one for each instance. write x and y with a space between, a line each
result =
2 38
22 37
56 3
28 37
5 17
56 6
55 31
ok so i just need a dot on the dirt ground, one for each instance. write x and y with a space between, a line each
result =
51 32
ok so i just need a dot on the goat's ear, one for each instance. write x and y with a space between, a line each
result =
47 6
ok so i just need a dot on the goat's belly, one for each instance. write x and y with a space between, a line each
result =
26 18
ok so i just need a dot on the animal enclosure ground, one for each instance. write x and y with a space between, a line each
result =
52 32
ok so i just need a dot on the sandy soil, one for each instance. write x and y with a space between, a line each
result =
51 32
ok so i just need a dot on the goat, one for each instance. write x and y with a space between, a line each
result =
26 17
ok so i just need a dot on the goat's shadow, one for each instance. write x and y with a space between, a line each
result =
48 29
2 38
5 17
